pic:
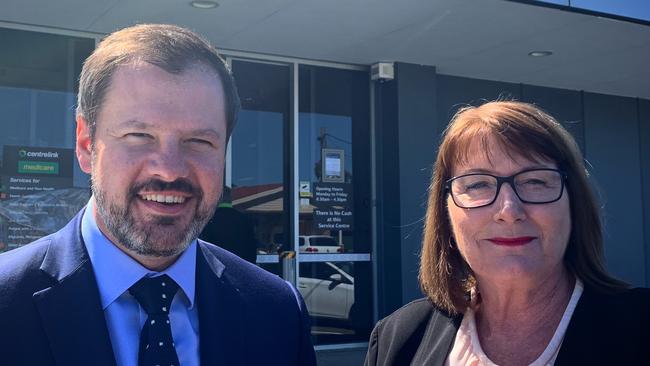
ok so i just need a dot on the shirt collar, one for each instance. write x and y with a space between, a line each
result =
116 272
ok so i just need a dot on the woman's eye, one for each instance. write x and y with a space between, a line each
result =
535 182
477 185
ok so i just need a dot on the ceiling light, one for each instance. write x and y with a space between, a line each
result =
540 53
204 4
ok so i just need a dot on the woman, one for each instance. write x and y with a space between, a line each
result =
512 257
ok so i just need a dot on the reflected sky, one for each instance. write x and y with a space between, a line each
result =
638 9
338 135
257 147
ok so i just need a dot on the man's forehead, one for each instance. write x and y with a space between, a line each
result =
140 94
197 70
146 126
157 84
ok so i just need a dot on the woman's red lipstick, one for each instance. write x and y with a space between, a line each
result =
512 242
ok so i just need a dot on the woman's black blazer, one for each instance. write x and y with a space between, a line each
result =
605 329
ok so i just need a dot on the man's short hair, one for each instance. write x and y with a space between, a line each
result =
172 48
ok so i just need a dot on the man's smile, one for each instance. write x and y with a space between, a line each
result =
163 198
165 203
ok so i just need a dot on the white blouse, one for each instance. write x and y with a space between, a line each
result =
467 350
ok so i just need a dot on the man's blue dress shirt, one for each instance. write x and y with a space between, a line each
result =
116 272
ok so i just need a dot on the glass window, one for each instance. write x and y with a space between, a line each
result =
325 241
334 227
41 185
334 219
259 154
340 311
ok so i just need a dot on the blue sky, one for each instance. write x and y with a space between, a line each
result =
639 9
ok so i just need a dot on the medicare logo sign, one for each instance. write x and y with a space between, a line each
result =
37 167
38 162
28 166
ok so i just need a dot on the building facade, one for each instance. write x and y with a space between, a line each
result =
326 163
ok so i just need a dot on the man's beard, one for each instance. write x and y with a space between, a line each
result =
151 238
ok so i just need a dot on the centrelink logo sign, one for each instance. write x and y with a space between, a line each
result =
38 154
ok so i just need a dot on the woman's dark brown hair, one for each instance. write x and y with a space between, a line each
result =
521 129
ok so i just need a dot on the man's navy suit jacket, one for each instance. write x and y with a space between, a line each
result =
50 310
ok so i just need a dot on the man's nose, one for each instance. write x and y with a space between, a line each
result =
168 163
509 206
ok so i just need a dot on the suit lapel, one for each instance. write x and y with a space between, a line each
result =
221 312
438 337
577 345
70 310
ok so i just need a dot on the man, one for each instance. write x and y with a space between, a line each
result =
126 282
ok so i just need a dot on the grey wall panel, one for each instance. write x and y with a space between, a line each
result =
416 92
565 105
613 149
644 134
388 255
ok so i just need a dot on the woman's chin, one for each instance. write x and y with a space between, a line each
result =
510 269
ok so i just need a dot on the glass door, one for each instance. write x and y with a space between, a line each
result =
257 172
334 240
299 171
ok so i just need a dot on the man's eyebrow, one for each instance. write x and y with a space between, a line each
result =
134 123
206 131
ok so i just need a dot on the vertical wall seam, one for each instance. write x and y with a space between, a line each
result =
398 194
643 178
583 124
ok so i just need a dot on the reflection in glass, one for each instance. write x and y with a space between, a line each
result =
319 244
326 145
41 185
334 185
636 9
257 180
259 155
328 290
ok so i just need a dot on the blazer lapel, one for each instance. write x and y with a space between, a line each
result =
577 345
438 338
70 310
221 314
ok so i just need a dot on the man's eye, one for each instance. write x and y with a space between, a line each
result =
137 135
201 142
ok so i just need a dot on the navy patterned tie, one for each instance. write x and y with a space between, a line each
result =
155 295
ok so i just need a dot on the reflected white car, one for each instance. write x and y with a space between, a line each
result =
318 244
328 290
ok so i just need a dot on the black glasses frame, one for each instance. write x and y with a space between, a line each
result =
511 181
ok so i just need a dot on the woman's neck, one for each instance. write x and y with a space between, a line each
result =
516 321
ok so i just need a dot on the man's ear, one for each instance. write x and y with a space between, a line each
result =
83 146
